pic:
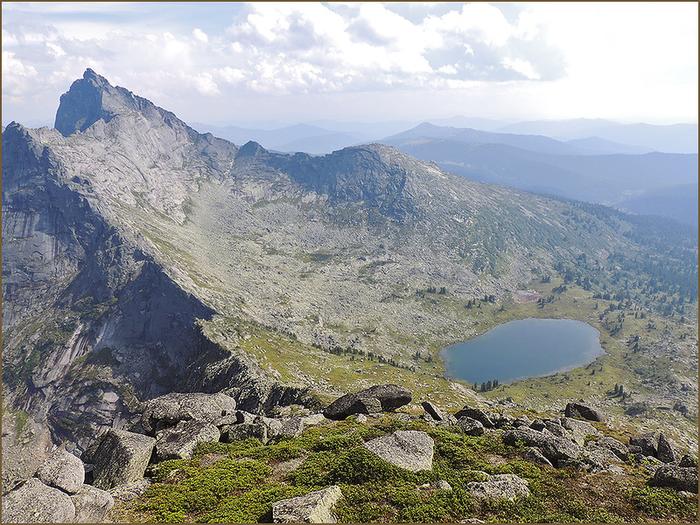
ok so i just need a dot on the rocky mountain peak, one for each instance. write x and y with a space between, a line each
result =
93 98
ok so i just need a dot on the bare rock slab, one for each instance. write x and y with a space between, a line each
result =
179 442
583 411
676 477
62 470
408 449
35 502
315 507
121 458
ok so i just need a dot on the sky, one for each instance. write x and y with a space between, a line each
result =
235 63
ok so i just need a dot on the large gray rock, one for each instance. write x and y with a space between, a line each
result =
168 410
582 411
91 504
409 449
676 477
179 442
379 398
478 414
688 461
648 443
470 426
121 458
62 470
34 502
556 449
579 430
315 507
500 487
433 411
664 450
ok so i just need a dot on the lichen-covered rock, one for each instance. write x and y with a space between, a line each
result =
34 502
379 398
688 461
179 442
165 411
582 411
664 450
408 449
121 458
315 507
500 487
292 427
676 477
598 458
476 413
62 470
91 504
470 426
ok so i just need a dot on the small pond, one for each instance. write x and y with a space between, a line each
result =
523 349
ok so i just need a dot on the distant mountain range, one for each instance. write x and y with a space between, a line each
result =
593 170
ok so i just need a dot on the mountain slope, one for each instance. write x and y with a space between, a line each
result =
141 257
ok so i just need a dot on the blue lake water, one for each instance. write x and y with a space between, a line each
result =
522 349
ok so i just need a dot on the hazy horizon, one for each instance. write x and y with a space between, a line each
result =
227 64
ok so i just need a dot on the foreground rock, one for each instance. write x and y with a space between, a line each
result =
241 431
121 458
168 410
35 502
62 470
579 430
379 398
408 449
315 507
434 412
581 411
500 486
676 477
91 504
179 442
616 447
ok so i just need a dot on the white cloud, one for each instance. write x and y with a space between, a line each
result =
543 56
200 35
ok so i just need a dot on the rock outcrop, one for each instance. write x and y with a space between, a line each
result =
408 449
